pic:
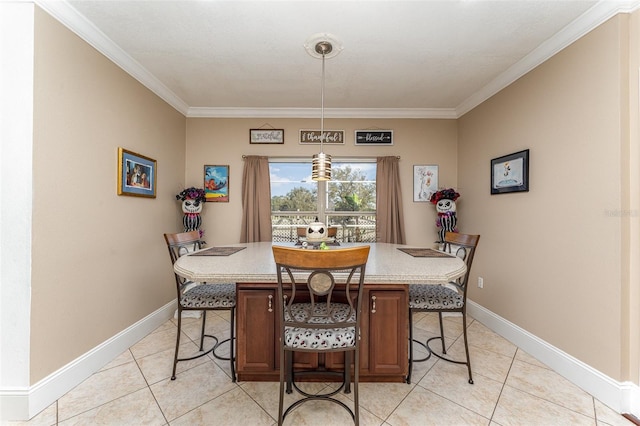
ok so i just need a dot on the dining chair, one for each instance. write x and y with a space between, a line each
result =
319 305
201 297
441 298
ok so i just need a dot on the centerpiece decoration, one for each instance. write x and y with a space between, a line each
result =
445 201
316 231
192 201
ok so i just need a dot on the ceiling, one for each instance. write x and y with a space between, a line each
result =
416 59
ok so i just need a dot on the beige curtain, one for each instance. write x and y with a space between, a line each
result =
390 220
256 200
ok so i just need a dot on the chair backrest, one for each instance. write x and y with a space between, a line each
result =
465 248
321 279
180 244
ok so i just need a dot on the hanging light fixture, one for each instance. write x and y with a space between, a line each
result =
322 46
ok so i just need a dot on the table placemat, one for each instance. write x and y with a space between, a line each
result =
218 251
423 252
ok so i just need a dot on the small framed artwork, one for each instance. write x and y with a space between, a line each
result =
266 136
136 174
510 173
216 184
312 137
374 137
425 182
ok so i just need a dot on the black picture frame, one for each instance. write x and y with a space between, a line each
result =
510 173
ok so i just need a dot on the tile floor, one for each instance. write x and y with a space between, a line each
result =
511 388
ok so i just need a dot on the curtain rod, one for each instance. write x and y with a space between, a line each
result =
293 157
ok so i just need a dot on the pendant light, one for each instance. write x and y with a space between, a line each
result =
322 46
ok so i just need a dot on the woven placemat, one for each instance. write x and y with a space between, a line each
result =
218 251
423 252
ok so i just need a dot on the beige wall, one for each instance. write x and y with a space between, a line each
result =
552 258
99 259
224 141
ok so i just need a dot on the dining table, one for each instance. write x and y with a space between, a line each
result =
253 262
390 269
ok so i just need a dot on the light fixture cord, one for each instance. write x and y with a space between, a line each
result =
322 107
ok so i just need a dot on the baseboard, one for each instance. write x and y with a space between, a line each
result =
23 404
623 397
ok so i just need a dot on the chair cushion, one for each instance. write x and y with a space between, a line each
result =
437 297
323 338
319 339
209 296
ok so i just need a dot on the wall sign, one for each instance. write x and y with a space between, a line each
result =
374 137
312 137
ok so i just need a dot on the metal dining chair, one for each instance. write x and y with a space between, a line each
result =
319 304
201 297
444 298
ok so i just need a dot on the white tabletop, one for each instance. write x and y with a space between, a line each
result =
386 265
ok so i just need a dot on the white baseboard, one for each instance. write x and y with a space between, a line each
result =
23 404
623 397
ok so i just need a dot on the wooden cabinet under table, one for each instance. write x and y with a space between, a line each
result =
384 345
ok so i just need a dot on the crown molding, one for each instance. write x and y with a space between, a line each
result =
442 113
77 23
598 14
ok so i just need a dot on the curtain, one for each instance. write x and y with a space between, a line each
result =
390 220
256 200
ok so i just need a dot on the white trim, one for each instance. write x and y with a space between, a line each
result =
623 397
440 113
23 404
592 18
86 30
599 13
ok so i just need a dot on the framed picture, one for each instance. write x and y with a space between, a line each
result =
510 173
266 136
425 182
374 137
312 137
216 183
136 174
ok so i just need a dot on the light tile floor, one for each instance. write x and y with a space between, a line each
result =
510 388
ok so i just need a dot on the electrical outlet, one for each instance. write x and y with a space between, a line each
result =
480 282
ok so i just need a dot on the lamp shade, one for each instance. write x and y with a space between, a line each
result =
321 167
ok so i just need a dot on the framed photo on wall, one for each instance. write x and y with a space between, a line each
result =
216 184
510 173
266 136
425 182
136 174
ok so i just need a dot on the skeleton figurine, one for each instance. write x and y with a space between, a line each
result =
445 201
192 201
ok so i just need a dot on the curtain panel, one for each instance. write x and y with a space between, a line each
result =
256 200
390 219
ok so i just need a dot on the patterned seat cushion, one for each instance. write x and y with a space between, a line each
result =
326 338
427 296
209 296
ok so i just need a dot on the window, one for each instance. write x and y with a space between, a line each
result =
347 202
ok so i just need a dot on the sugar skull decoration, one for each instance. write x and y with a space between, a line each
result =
445 201
192 201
